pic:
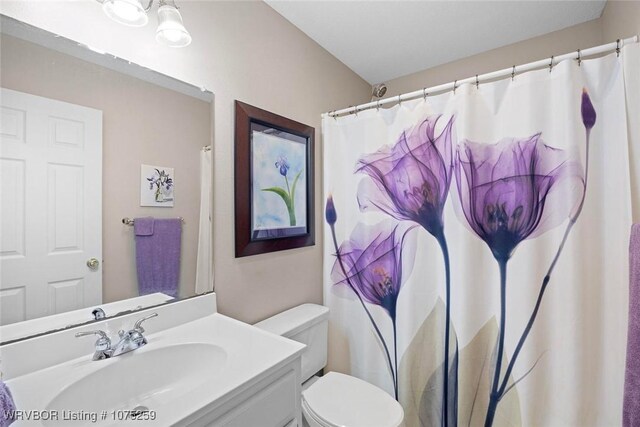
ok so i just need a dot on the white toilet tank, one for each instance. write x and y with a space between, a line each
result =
307 324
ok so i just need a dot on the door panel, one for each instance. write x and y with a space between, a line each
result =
12 212
50 206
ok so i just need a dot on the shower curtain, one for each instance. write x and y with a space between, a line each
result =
511 201
204 262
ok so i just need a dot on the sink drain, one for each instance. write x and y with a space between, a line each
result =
138 411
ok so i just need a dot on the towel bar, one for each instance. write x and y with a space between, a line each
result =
130 221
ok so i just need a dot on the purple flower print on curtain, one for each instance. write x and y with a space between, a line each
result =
372 260
411 178
410 181
504 189
374 264
515 190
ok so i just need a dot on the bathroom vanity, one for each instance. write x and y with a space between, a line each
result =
197 369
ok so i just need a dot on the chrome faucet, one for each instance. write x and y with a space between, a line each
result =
129 341
132 339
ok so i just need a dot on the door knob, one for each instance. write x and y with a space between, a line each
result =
93 264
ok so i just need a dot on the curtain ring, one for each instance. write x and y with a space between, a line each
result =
618 48
579 58
424 94
455 86
355 110
551 64
513 73
378 105
399 99
477 82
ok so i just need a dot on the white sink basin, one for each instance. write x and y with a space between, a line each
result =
183 373
151 378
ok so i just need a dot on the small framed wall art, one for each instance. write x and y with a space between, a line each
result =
156 186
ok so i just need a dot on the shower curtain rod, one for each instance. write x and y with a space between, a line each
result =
512 71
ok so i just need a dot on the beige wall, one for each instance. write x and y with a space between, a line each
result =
241 50
620 19
138 127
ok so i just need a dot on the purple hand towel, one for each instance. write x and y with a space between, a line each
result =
631 403
143 226
7 406
158 255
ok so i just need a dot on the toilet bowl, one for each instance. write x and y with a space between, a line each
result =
342 400
334 399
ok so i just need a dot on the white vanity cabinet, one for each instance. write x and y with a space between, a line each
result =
273 401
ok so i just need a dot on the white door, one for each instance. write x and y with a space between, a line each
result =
50 206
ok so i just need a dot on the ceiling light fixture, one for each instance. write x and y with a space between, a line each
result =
127 12
171 30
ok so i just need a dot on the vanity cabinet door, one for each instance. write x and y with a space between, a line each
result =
272 402
273 406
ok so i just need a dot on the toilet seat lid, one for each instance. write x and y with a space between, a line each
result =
343 400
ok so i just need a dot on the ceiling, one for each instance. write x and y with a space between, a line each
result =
382 40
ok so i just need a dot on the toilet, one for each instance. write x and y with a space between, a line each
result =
334 399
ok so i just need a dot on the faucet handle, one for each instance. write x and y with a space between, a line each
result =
138 325
103 342
97 332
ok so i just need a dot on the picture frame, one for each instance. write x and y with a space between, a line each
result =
157 185
274 182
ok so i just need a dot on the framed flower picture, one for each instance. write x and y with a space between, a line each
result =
274 197
156 186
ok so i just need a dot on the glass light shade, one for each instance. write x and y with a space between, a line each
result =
171 30
127 12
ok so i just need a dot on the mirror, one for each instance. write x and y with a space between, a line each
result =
105 184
